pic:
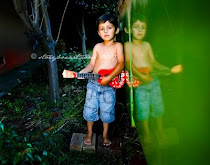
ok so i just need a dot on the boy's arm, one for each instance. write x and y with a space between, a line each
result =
119 67
91 64
155 64
136 73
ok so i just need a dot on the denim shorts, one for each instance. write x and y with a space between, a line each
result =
99 97
148 96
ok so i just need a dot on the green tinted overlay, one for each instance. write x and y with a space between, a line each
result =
177 132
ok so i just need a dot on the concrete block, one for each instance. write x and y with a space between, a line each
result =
92 147
77 141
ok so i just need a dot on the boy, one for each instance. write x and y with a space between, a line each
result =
106 55
149 93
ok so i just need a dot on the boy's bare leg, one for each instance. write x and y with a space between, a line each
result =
160 125
106 141
88 137
161 133
147 137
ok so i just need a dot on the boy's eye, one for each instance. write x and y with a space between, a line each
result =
139 27
101 29
109 27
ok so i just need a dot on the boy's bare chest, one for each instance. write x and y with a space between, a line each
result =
106 54
139 52
140 57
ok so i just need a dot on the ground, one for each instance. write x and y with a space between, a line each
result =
40 131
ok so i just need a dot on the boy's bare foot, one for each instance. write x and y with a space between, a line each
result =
147 138
106 142
162 136
88 139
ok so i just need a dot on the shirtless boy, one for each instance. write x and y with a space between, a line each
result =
106 55
149 94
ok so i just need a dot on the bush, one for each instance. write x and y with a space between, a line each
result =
73 61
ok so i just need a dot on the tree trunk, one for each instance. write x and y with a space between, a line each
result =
44 37
83 35
52 63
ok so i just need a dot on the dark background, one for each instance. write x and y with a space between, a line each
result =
72 19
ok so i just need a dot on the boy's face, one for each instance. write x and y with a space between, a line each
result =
107 31
138 30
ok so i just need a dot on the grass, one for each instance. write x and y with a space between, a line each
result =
42 130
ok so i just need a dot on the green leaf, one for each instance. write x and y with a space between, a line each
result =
45 153
45 134
4 162
29 145
30 156
38 158
17 158
2 126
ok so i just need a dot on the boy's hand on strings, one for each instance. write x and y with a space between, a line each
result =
81 72
146 79
105 80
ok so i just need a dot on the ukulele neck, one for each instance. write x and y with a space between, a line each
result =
88 76
160 72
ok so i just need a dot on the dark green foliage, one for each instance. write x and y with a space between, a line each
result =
37 131
15 149
41 133
97 6
73 61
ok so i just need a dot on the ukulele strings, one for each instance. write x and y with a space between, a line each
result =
88 75
160 72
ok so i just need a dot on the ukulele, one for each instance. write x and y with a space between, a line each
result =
116 82
136 82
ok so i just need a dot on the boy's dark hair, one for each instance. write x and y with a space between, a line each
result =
139 17
107 17
134 18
